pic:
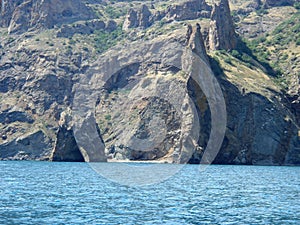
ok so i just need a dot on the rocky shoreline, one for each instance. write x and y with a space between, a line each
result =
53 91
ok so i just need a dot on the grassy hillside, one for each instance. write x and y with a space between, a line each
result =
281 49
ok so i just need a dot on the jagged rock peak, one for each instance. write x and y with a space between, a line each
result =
221 30
194 40
138 18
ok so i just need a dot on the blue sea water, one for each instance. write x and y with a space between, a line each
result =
73 193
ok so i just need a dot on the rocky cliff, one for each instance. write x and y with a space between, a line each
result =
96 81
33 15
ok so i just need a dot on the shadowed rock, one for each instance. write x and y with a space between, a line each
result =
66 148
274 3
87 149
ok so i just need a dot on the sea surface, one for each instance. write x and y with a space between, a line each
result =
74 193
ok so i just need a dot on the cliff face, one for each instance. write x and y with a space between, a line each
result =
260 132
62 100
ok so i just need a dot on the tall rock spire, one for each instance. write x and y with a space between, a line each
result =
221 30
194 40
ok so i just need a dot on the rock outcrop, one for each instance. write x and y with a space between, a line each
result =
6 11
22 16
221 30
195 41
32 146
258 131
189 10
66 148
76 141
138 18
89 27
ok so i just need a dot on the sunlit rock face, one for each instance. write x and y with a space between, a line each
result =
21 16
51 50
221 30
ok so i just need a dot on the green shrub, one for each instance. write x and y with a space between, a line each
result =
71 42
104 39
227 60
235 54
114 13
297 5
284 57
261 12
107 117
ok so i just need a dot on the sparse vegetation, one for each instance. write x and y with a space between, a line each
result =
107 117
261 12
272 49
103 40
115 13
297 5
